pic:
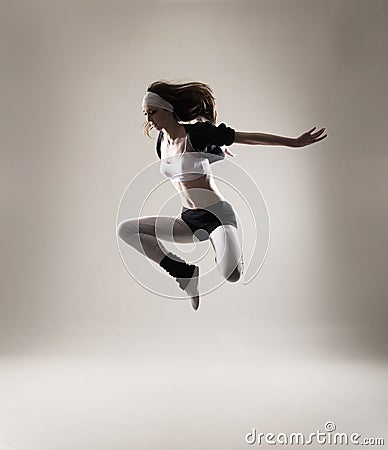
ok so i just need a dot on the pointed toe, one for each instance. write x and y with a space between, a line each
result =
192 289
195 302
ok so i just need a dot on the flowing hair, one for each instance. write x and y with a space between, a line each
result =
191 101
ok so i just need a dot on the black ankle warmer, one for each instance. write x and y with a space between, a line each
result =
178 268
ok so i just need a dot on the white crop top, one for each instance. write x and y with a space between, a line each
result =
186 166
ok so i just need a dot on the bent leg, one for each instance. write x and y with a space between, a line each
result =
228 250
144 234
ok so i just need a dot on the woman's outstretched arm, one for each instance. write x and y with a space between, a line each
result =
307 138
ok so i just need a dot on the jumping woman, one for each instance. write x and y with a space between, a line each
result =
188 142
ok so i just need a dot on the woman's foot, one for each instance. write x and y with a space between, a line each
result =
187 275
192 288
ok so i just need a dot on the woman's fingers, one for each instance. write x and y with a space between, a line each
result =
310 133
317 133
308 137
323 137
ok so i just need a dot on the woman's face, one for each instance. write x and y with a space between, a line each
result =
157 117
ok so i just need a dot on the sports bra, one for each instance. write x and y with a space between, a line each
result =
186 166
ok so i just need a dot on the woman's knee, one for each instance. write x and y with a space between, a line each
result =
127 229
231 274
235 275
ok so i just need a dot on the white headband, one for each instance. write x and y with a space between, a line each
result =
152 99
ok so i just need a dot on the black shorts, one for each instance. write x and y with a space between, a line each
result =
203 221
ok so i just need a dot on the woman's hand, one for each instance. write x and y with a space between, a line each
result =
309 138
228 152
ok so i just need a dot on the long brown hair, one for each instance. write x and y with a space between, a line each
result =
191 100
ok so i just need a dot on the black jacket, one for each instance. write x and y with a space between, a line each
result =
206 138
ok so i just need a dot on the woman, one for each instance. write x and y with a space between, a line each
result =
186 151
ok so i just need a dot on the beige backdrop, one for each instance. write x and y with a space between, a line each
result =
89 358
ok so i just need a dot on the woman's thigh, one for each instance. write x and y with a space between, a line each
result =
165 228
228 250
